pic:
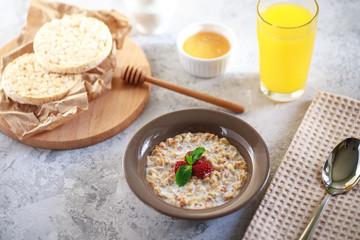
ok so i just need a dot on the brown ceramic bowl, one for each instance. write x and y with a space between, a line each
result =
240 134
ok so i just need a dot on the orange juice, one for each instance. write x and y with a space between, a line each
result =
286 34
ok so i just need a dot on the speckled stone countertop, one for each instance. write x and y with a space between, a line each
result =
82 193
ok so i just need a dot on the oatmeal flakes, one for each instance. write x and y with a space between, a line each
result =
168 141
216 185
211 137
224 141
225 181
233 149
228 196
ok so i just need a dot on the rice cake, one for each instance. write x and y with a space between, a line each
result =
72 44
25 81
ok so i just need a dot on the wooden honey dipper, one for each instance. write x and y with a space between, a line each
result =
135 76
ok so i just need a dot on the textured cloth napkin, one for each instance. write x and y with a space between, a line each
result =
297 189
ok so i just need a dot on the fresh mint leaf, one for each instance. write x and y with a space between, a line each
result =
183 175
189 159
196 154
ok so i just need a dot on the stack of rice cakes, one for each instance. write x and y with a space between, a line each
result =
64 48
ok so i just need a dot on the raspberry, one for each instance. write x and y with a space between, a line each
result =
178 164
201 160
201 169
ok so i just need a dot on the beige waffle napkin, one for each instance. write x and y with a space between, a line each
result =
297 189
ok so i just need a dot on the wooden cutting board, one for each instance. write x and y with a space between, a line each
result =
107 115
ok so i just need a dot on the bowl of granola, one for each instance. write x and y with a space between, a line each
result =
196 163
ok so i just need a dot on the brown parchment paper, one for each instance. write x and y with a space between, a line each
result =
26 120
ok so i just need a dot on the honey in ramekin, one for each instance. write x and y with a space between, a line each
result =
206 45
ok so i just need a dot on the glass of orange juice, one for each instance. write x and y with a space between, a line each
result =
286 34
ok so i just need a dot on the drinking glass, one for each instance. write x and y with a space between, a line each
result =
286 34
151 16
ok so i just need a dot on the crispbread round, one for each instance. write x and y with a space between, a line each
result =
25 81
73 44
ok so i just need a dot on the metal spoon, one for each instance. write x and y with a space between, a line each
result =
341 173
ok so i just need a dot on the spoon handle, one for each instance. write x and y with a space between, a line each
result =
308 231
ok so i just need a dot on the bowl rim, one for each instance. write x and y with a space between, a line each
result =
183 213
179 42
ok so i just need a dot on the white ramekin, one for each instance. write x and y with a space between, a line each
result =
205 68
